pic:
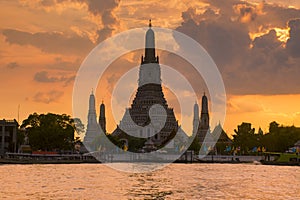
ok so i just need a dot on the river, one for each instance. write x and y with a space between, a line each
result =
176 181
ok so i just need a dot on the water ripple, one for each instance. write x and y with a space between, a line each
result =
176 181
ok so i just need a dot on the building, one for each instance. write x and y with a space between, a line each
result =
8 136
223 142
297 146
102 118
201 127
196 119
136 122
92 126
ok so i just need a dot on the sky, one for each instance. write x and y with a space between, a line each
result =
255 45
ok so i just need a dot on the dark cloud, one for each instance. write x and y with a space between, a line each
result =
278 16
98 7
60 43
222 38
48 97
262 66
12 65
268 41
258 16
190 13
50 42
104 9
62 65
293 43
248 13
44 77
104 33
47 3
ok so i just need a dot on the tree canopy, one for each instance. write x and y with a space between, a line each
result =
50 131
244 137
279 138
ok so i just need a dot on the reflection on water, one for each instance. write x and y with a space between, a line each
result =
176 181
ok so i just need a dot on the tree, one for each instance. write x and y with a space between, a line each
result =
245 137
79 127
280 138
50 131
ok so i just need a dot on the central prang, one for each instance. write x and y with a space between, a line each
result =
149 134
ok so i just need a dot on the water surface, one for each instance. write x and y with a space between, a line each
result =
176 181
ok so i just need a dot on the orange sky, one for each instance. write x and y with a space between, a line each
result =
43 43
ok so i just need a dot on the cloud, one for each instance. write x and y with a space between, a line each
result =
104 33
248 13
293 43
48 97
263 65
12 65
277 15
44 77
47 3
267 41
104 9
64 65
100 6
50 42
70 44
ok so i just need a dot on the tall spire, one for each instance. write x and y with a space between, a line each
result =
196 118
102 119
150 46
92 126
149 70
92 102
204 104
204 112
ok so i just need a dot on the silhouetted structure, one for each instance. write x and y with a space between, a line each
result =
196 120
102 118
8 136
92 127
149 93
201 127
223 142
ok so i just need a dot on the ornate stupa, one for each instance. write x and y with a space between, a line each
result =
136 123
92 131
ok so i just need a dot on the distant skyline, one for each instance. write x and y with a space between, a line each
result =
255 44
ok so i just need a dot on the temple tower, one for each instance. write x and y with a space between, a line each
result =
149 69
149 93
92 127
102 119
204 119
196 118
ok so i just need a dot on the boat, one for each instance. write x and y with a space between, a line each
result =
287 159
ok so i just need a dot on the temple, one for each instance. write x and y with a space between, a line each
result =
156 130
203 128
92 131
102 118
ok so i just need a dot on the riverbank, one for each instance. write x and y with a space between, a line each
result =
122 158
